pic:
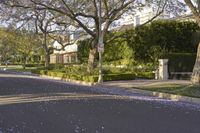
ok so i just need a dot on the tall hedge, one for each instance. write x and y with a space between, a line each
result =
180 62
118 49
164 36
147 43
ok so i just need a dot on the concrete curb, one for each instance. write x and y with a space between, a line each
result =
168 96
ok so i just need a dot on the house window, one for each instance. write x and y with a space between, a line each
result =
66 59
73 58
57 59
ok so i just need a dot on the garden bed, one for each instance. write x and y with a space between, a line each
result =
94 78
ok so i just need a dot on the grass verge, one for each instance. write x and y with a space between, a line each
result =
184 90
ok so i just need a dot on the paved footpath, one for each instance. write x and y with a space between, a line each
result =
34 105
144 83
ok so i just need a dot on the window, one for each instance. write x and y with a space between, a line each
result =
73 59
66 59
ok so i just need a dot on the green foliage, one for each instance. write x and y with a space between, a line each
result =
180 62
18 46
56 66
34 65
87 78
164 36
79 73
145 44
7 44
145 75
116 48
122 76
83 50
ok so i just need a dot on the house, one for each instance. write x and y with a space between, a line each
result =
67 55
187 17
138 18
70 53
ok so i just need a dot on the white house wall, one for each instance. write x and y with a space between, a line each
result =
137 18
67 49
71 48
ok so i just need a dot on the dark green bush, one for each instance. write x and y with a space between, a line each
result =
34 65
145 44
35 71
180 62
94 78
43 72
56 66
145 75
126 76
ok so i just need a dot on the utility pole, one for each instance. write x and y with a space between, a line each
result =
100 42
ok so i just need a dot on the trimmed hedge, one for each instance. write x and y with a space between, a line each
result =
145 44
33 65
86 78
125 76
145 75
94 78
180 62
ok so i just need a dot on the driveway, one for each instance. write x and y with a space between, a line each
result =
30 104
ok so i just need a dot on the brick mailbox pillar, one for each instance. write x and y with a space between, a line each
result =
163 69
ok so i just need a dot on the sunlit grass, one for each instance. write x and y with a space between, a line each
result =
185 90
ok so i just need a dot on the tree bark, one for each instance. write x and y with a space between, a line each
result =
47 59
45 46
91 60
195 78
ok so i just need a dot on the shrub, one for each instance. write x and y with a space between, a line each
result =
127 76
56 66
146 43
94 78
34 65
35 71
145 75
43 72
180 62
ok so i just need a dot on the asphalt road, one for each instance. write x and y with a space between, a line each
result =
31 105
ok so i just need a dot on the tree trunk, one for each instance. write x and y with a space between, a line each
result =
46 49
47 60
24 61
91 60
24 65
196 71
92 55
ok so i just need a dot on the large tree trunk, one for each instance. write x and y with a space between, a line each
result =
196 71
91 59
47 60
92 55
47 50
24 59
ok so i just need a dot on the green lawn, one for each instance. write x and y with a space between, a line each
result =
185 90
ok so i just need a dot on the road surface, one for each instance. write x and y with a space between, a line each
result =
34 105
